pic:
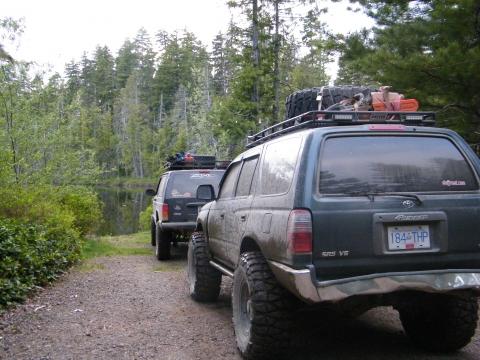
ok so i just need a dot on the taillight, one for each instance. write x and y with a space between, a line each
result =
164 212
299 232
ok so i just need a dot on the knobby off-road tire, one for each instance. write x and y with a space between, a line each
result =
305 100
163 240
301 102
203 279
153 228
262 309
440 323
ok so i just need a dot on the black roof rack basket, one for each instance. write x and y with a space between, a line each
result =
323 118
192 162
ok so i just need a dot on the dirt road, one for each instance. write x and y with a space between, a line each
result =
134 307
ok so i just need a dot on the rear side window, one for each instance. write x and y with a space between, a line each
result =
279 166
393 164
246 177
161 186
228 185
184 185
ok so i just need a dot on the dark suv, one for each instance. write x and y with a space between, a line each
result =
175 206
362 209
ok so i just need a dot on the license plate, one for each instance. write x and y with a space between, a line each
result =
408 237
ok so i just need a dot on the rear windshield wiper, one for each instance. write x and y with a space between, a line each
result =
410 196
371 195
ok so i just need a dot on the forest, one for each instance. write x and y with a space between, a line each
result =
118 115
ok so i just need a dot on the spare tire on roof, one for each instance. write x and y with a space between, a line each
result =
305 100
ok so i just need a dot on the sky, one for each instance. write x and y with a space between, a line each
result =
58 31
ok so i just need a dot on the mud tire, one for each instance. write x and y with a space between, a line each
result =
203 279
262 309
440 323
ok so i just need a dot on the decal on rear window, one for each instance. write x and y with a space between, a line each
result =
454 183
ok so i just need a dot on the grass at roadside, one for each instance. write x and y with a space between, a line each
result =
122 245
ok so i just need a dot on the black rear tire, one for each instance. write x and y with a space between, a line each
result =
440 323
163 243
203 279
153 228
262 309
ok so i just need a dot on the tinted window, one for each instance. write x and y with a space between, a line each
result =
279 166
228 186
184 184
393 164
161 186
246 177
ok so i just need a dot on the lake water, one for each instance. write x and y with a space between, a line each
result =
122 209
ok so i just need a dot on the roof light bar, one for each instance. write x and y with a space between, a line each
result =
414 117
343 117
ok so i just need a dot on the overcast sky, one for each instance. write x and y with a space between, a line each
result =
58 31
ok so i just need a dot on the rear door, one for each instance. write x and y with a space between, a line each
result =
181 192
217 230
392 203
236 219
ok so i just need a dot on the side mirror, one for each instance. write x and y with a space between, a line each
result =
205 192
150 192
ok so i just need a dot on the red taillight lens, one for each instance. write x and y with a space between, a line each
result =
164 212
299 232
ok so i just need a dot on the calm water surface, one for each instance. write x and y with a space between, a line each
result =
122 208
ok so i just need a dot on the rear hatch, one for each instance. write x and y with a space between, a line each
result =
181 192
394 202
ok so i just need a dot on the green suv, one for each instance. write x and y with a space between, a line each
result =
351 210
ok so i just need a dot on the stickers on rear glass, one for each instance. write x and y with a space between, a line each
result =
453 183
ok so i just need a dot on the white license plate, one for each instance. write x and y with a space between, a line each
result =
408 237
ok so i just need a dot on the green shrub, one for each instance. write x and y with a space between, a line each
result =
146 218
32 255
69 207
41 234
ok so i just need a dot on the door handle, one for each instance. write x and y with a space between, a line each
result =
243 217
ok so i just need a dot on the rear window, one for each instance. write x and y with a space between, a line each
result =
279 166
184 185
393 164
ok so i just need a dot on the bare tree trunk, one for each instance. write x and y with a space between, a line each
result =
7 105
208 100
256 55
160 111
276 66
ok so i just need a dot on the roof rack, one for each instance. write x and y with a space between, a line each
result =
323 118
191 161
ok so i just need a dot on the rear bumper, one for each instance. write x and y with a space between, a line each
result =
303 283
178 226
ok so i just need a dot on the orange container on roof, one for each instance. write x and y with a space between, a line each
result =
406 105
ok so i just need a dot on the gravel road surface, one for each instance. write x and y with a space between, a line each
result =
134 307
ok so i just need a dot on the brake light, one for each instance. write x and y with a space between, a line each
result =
299 232
386 127
164 212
